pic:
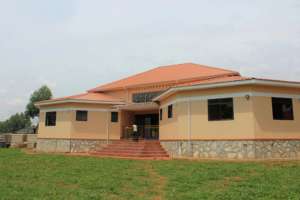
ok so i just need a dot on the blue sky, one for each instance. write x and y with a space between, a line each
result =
75 45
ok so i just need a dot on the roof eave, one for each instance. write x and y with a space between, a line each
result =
251 81
44 103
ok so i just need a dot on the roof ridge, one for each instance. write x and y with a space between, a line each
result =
200 65
122 79
218 68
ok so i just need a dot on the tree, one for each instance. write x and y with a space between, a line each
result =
14 123
22 120
3 127
43 93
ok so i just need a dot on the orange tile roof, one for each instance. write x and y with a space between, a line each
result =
97 97
179 73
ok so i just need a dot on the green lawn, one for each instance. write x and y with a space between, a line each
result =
24 176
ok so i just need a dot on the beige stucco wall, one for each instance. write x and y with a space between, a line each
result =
253 118
242 127
98 126
281 90
168 127
266 127
121 94
62 128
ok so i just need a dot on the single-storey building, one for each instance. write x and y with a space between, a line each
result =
192 110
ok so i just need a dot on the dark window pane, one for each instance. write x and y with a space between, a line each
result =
144 97
81 115
114 116
170 111
160 114
220 109
50 119
213 112
282 109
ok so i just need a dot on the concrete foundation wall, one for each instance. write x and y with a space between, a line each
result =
70 145
247 149
21 140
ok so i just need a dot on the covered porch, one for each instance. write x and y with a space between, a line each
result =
144 115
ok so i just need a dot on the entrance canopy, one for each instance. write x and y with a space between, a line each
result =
138 106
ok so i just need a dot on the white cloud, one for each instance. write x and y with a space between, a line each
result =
3 91
74 45
44 81
11 106
17 101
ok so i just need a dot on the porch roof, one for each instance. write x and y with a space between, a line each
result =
138 106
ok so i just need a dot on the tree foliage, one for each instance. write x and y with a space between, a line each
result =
22 120
43 93
15 123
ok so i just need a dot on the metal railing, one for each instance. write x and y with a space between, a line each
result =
145 132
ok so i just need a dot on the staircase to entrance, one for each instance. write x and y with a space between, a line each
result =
144 149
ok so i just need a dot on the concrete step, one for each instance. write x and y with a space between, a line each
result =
134 149
128 148
130 155
134 152
125 146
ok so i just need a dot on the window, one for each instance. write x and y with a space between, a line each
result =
144 97
114 116
160 114
50 119
220 109
282 109
170 111
81 115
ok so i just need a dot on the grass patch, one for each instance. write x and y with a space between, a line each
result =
44 176
231 180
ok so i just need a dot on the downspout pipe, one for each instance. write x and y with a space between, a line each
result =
107 127
189 129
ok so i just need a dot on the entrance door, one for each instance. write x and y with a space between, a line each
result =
147 126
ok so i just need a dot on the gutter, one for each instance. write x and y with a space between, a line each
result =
51 102
252 81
